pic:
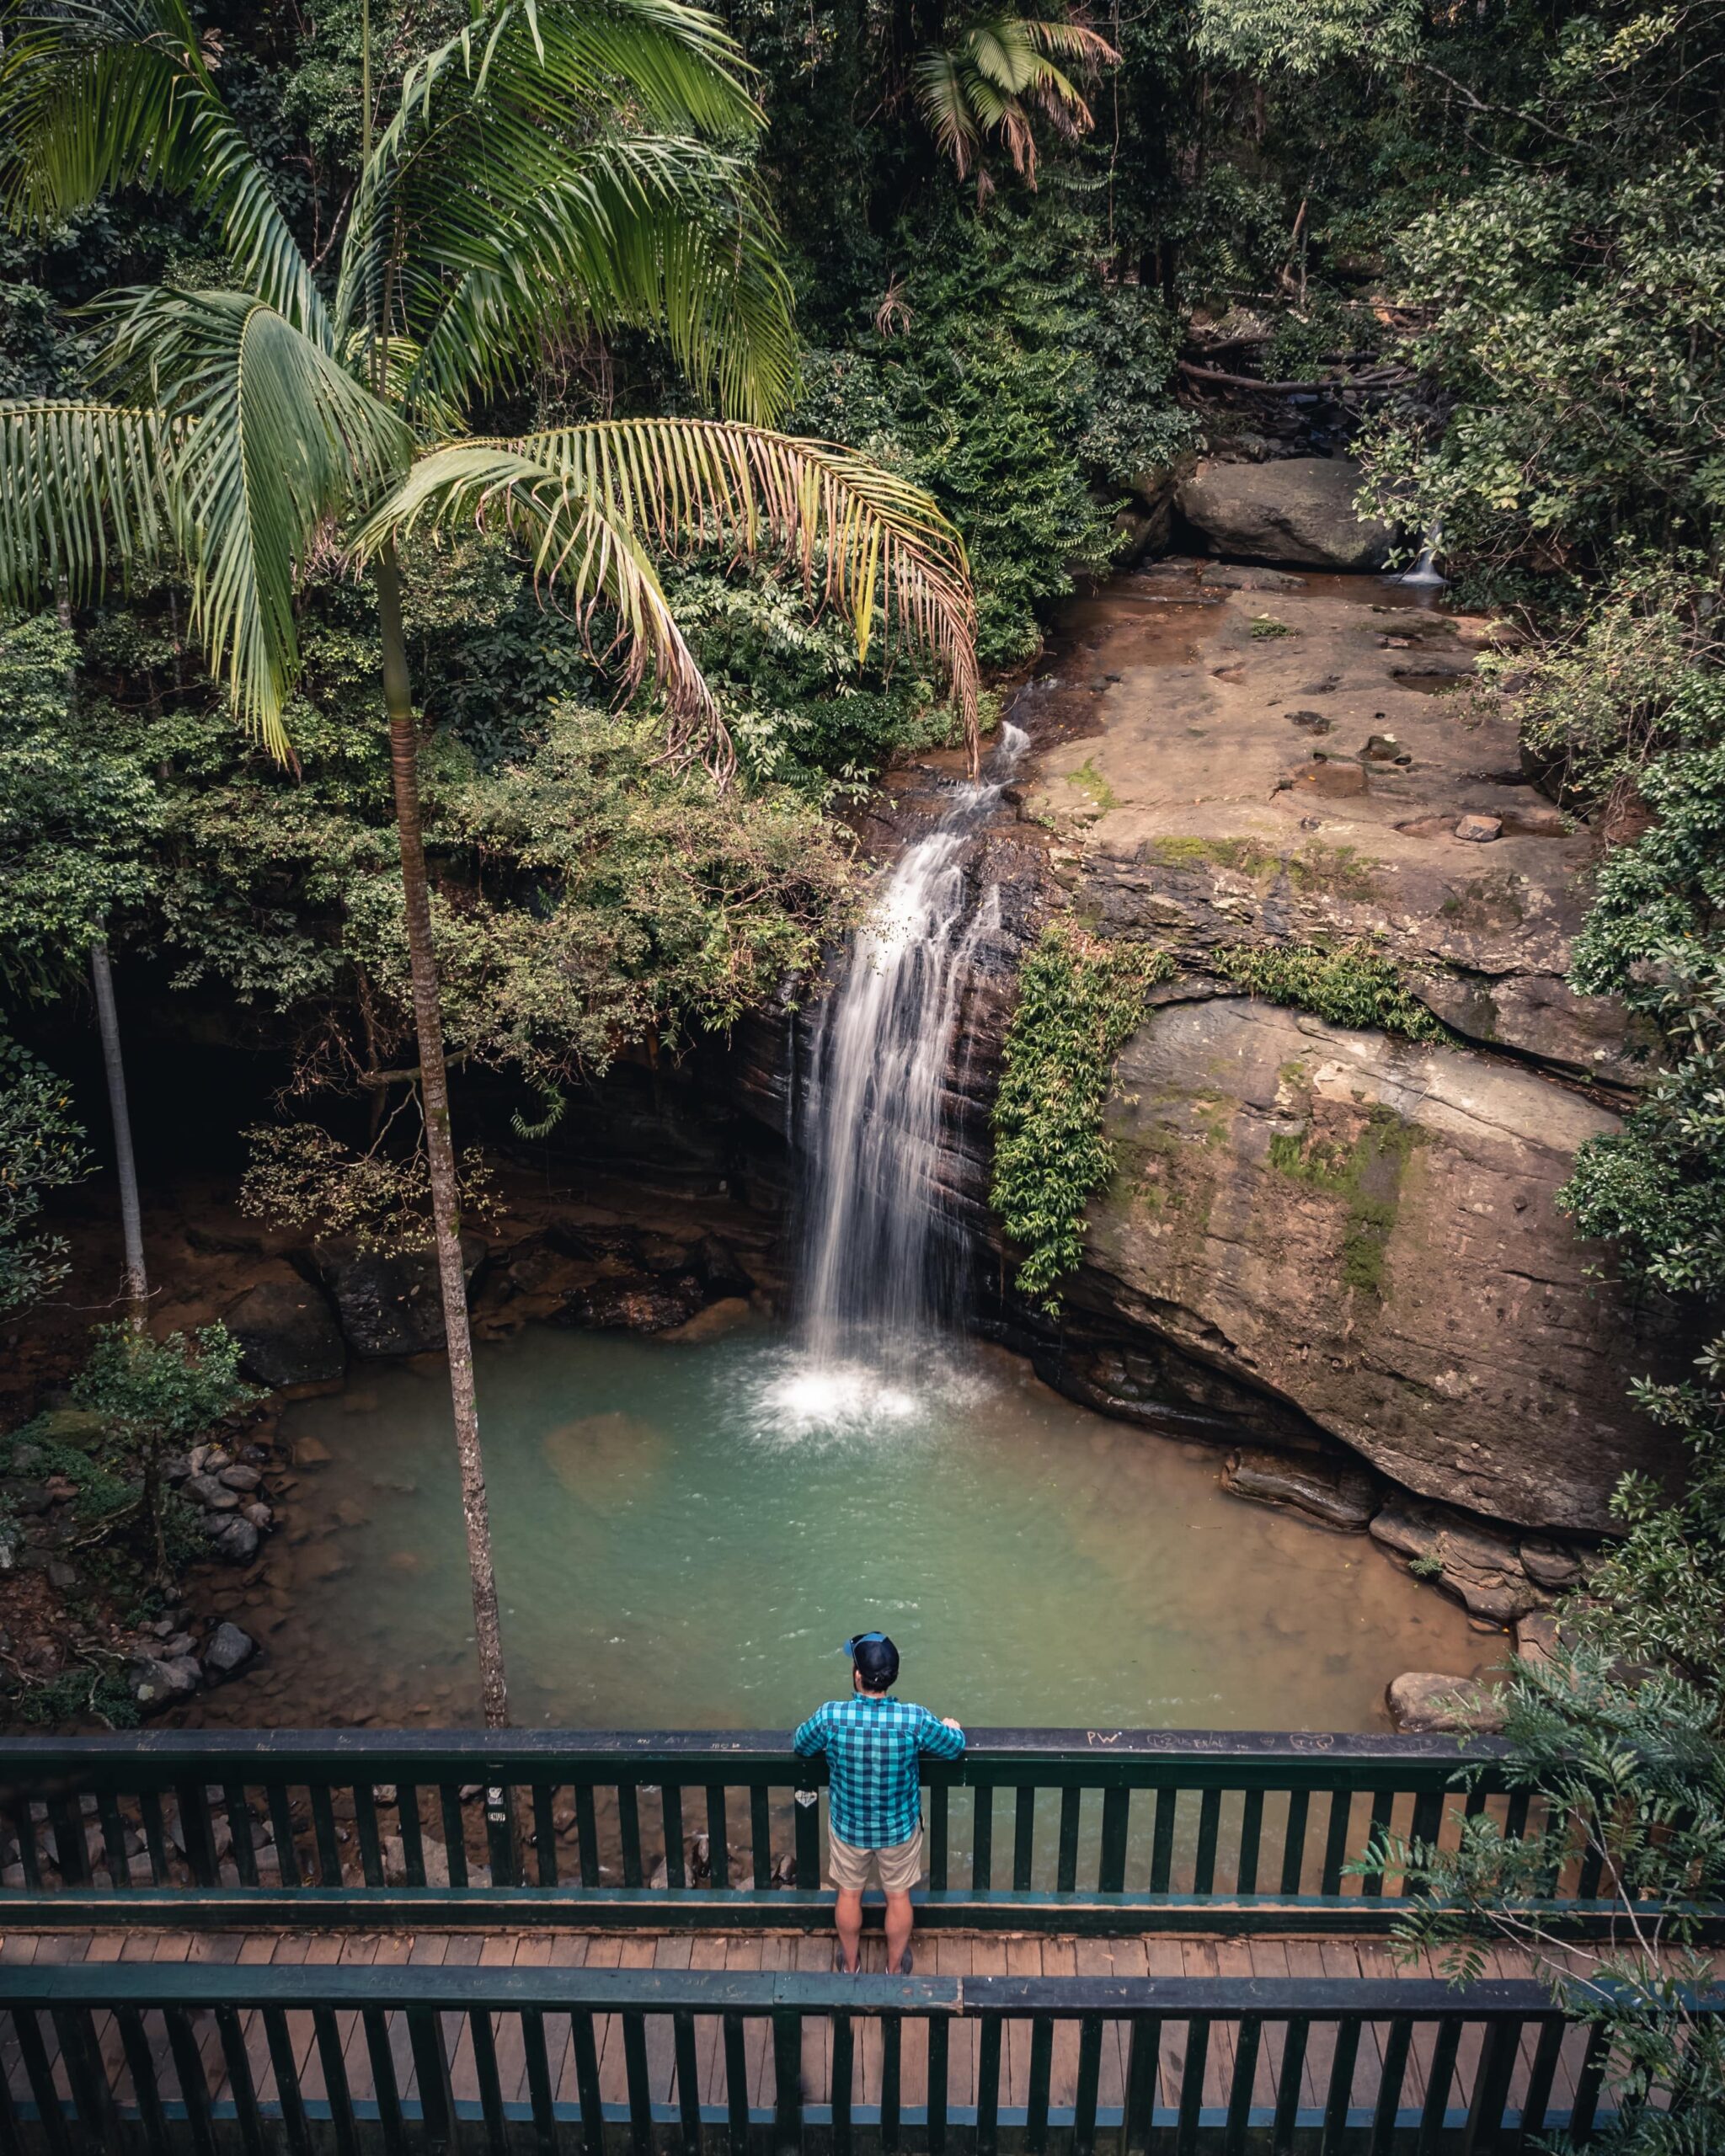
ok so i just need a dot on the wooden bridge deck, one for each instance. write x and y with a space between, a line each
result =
950 1953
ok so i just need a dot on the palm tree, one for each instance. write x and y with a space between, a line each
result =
560 165
991 78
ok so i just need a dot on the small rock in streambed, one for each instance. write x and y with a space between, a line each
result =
1479 830
1423 1701
229 1650
235 1541
243 1479
154 1683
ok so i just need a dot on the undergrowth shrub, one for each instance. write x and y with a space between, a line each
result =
1079 998
1348 984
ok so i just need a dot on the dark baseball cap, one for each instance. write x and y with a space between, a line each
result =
875 1656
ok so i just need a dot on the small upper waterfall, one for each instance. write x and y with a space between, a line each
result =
878 1275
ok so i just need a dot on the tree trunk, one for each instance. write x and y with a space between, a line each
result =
434 1093
134 1284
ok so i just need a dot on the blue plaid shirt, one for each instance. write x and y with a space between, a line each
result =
872 1745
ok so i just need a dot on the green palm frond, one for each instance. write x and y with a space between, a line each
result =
275 439
488 123
82 492
101 94
863 541
671 236
997 68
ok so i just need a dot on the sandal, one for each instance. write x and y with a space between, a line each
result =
838 1964
905 1965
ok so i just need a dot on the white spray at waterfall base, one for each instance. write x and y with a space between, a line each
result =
881 1275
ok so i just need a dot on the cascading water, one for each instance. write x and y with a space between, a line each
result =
879 1277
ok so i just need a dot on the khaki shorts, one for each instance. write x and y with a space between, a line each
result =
900 1867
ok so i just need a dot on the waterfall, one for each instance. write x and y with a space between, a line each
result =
1425 570
879 1276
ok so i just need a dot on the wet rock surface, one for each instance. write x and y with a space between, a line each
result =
287 1332
1424 1702
389 1305
1367 1229
1296 509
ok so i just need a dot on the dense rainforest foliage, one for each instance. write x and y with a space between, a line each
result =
1023 250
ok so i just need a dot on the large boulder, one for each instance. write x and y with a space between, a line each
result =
1424 1702
1298 509
287 1333
390 1305
1367 1229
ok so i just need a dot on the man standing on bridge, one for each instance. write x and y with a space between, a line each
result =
873 1742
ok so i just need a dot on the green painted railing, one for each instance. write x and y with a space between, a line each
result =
1064 1829
166 2058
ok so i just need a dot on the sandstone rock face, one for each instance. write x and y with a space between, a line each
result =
390 1305
287 1333
1298 508
1364 1229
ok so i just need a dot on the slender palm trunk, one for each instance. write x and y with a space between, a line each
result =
434 1092
135 1283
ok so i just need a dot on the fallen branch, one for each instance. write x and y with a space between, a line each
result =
1380 378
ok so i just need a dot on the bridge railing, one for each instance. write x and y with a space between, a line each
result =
556 2060
1063 1829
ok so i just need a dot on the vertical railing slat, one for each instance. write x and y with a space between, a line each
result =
1143 2061
1042 2056
40 2076
1239 2116
545 1834
892 2064
939 2058
1294 1841
688 2076
454 1832
676 1872
145 2087
287 1855
939 1797
586 2051
1294 2038
365 1822
483 2040
787 2080
1023 1836
1161 1840
336 2092
1339 2094
413 1833
1398 2045
385 2090
1209 1821
719 1849
1111 1860
1089 2079
540 2081
843 2072
242 2090
760 1836
194 2084
988 2085
438 2130
1335 1841
1491 2087
1067 1866
540 2100
736 2083
323 1833
1540 2077
1251 1836
982 1839
1191 2075
296 2128
636 2084
587 1834
1438 2075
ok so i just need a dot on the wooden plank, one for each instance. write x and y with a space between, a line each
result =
1023 1959
1162 1958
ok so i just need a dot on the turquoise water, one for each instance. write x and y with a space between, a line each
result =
685 1532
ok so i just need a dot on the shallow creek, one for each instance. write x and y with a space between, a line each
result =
685 1532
